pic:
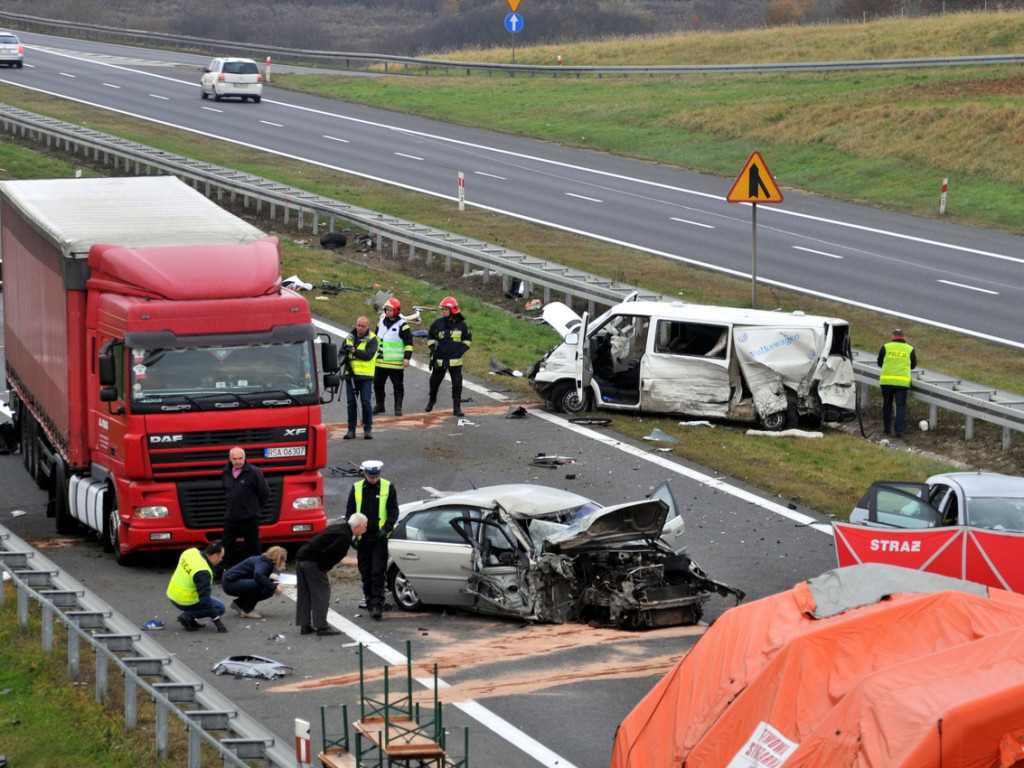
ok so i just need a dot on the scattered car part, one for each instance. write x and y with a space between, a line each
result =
251 666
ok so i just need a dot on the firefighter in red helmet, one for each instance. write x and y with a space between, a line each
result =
393 355
448 340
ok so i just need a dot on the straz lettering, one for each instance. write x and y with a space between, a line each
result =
166 438
895 545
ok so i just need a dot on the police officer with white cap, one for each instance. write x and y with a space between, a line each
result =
376 498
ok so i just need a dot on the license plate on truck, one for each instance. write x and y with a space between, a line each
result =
277 453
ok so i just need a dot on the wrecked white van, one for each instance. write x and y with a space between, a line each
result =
699 361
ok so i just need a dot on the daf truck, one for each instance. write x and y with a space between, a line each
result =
147 333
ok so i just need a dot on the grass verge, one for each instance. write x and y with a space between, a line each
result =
49 718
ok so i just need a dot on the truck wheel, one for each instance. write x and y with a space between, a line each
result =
774 422
30 449
25 426
112 533
565 400
65 523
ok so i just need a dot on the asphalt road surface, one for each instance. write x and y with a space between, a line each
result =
529 695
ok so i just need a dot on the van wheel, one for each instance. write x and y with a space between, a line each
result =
774 422
565 400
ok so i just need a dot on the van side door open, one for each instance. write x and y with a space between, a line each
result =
688 369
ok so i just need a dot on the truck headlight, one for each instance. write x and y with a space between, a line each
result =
150 512
307 502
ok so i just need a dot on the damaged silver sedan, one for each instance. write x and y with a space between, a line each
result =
547 555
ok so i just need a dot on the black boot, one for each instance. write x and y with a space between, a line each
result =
398 404
430 402
378 408
456 402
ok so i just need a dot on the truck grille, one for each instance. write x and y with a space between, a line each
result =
191 453
202 503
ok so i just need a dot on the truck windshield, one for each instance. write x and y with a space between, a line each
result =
223 378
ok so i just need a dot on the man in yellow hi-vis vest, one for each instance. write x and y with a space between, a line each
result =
360 362
896 359
376 498
190 587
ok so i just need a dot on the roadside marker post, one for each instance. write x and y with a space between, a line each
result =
942 198
303 752
462 191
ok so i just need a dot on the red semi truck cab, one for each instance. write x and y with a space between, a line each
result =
169 341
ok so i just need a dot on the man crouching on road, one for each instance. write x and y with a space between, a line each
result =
190 587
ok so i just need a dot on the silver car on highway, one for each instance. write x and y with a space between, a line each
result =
547 555
12 52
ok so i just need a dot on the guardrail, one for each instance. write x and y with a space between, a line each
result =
411 65
939 390
144 664
973 400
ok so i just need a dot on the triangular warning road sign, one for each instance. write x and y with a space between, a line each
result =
755 184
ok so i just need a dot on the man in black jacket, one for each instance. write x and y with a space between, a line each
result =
246 493
312 562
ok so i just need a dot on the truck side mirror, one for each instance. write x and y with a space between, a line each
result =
329 357
107 374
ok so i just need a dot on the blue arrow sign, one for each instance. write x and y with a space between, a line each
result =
513 22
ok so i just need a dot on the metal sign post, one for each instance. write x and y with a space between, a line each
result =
754 185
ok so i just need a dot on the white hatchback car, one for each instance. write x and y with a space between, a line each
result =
12 52
224 77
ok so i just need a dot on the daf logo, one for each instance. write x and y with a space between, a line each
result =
294 431
166 438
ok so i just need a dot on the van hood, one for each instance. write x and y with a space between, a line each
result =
561 318
635 521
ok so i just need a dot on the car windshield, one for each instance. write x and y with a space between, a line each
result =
225 377
1000 514
8 40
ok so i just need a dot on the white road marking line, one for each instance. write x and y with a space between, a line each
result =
969 287
692 223
818 253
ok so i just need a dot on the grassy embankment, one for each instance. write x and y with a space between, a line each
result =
882 138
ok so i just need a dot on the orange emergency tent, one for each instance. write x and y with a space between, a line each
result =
870 666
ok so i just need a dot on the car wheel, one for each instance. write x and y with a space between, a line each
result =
203 94
216 96
565 399
256 99
774 422
405 596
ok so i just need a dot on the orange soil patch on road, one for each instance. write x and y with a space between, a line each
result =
420 420
535 642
